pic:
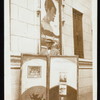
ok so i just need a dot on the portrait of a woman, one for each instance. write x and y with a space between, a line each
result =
48 38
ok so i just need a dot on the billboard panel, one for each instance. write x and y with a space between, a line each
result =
63 77
50 35
33 77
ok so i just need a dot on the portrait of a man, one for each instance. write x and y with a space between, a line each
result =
34 71
49 38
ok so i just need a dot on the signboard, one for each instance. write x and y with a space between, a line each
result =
34 78
63 77
49 77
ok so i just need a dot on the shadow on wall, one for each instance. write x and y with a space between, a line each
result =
39 93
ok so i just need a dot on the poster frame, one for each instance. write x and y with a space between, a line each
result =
65 56
48 64
23 55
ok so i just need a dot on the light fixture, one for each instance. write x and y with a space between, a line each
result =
63 22
38 12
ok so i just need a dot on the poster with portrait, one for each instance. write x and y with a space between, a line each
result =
50 35
34 71
62 89
33 77
63 77
63 84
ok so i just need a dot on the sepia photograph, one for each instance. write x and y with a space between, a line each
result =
50 50
62 90
63 77
34 71
33 86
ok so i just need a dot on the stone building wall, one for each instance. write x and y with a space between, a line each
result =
25 26
83 6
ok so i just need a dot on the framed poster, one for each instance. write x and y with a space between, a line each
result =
34 71
62 89
33 77
63 77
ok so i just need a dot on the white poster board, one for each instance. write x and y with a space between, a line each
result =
33 79
63 77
